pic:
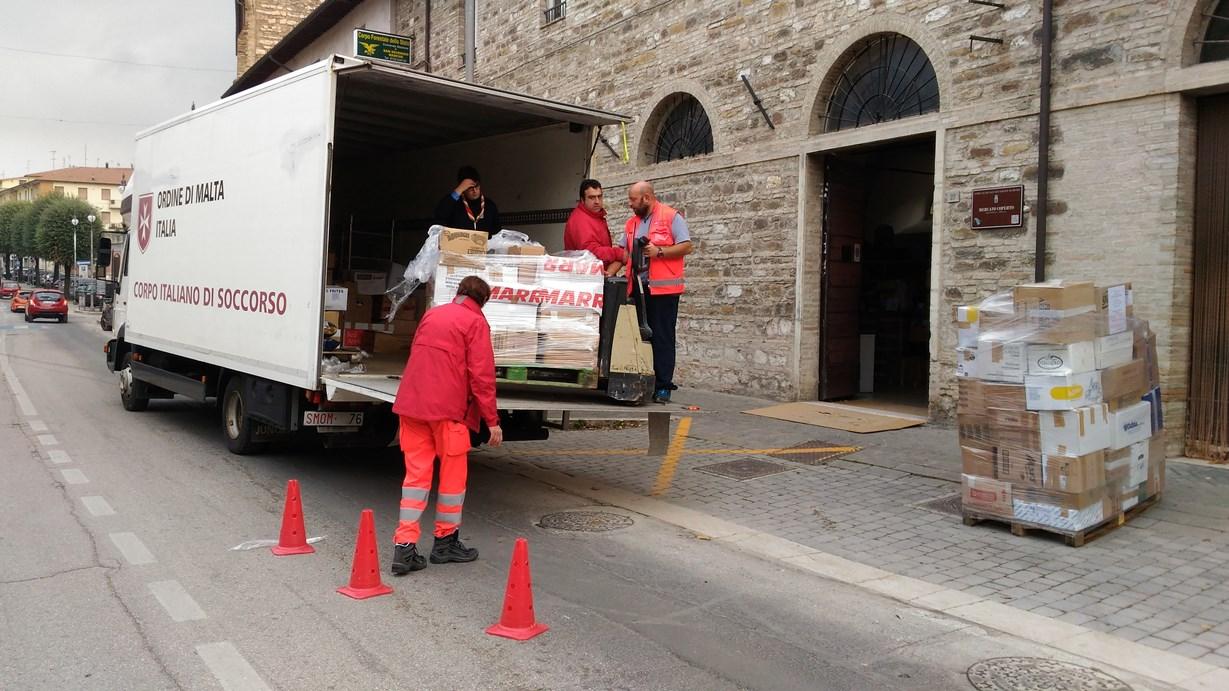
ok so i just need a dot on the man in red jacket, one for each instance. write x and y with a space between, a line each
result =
586 228
447 389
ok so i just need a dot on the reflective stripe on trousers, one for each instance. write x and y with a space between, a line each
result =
422 442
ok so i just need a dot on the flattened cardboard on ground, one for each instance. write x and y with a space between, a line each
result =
837 416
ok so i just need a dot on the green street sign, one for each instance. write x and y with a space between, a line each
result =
381 46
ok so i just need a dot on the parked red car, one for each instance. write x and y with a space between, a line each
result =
19 301
47 303
8 289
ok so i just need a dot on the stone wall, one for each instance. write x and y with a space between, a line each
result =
266 22
1112 113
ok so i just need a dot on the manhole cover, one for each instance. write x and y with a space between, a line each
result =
585 521
744 469
815 452
1036 674
950 504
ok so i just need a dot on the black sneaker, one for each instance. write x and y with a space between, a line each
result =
661 396
450 548
406 559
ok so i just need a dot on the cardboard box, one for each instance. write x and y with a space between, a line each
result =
1115 303
1130 425
358 338
526 251
1062 518
449 274
1124 385
1158 409
1068 501
1156 466
975 394
1056 299
1118 471
332 261
1072 358
977 461
335 298
514 347
985 496
511 316
973 428
569 358
391 343
460 241
966 326
966 361
1001 362
333 317
371 282
1048 392
359 307
1073 474
1075 432
1115 350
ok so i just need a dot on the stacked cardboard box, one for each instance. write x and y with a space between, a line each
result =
544 310
1059 406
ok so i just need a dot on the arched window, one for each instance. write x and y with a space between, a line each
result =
1216 39
885 77
684 130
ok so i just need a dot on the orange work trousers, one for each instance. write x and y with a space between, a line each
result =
422 442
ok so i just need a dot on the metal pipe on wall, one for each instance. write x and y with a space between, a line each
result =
470 39
1043 141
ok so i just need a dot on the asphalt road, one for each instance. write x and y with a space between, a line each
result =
116 531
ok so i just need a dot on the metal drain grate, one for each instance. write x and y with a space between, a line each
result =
585 521
1038 674
950 504
815 452
744 469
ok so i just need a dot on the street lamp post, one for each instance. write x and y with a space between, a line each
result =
89 219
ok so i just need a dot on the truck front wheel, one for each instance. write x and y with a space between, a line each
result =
132 393
235 422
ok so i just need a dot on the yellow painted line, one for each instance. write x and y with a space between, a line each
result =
590 452
665 474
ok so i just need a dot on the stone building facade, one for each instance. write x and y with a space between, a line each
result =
260 24
1126 79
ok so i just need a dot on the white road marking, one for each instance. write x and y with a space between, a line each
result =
73 476
23 401
176 601
38 426
133 550
231 670
48 440
97 506
58 456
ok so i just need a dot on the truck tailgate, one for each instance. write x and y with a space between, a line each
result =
383 387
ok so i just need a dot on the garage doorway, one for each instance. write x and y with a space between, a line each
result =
876 275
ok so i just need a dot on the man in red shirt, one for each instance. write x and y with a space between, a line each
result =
586 228
446 390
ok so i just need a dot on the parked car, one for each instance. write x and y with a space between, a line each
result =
8 289
47 303
20 300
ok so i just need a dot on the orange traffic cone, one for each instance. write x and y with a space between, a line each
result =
517 620
365 573
294 535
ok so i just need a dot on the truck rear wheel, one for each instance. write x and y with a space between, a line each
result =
235 422
132 393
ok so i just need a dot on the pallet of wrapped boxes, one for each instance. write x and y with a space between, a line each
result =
544 311
1059 410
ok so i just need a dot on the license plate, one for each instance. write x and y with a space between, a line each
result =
331 418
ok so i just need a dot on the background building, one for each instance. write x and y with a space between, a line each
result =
99 186
825 153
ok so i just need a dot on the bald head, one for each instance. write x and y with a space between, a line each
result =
640 198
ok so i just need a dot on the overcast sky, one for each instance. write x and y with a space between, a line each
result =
81 77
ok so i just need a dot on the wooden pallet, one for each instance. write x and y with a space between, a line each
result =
1072 538
540 375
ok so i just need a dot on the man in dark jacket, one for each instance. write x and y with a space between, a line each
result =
447 389
467 207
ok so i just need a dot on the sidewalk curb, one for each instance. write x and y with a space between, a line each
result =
1157 665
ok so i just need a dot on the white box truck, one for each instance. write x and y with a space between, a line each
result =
238 206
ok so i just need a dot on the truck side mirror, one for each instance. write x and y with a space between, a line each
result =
104 252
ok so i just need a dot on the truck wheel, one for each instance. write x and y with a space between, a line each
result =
131 392
235 422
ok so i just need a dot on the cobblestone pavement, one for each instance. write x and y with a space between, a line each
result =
1161 580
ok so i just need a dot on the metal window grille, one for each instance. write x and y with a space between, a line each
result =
1215 43
887 77
555 11
685 131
